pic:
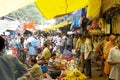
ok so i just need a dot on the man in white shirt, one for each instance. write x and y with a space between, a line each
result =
58 42
86 50
114 61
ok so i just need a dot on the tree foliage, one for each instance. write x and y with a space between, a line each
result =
28 13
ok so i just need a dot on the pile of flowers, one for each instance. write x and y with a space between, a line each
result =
74 75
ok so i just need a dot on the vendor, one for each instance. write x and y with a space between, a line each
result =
45 56
34 73
53 67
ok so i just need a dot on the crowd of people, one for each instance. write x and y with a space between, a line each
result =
37 51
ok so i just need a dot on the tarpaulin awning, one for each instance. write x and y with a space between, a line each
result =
53 8
7 6
94 7
62 24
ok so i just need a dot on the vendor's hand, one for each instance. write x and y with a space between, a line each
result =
24 77
29 69
27 74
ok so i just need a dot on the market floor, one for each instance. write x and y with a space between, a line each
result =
95 75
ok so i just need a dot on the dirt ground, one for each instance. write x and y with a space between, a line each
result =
95 75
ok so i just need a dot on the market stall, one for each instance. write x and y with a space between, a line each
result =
71 69
116 24
111 11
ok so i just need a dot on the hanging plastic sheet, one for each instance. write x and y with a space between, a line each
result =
76 22
77 17
29 26
53 8
77 13
93 10
80 12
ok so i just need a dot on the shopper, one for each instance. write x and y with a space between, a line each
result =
21 50
32 45
114 61
110 44
10 66
86 50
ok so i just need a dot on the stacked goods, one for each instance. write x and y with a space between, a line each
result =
94 28
71 65
96 32
63 64
74 75
71 71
